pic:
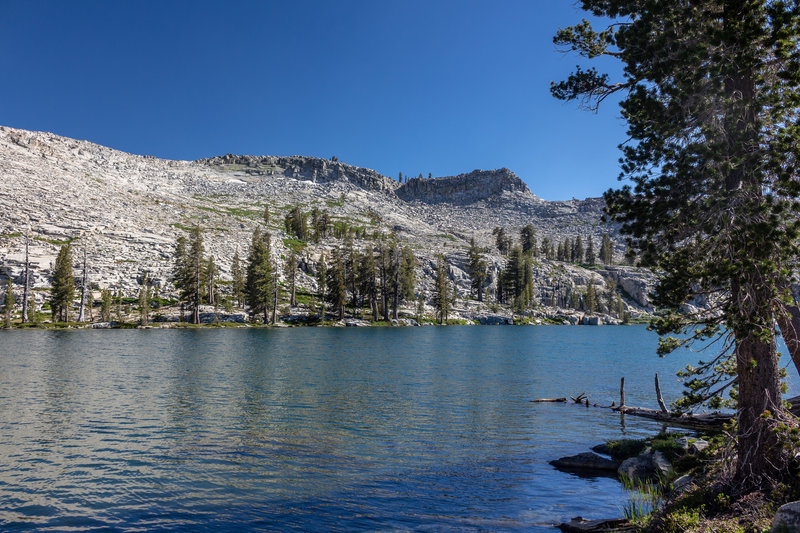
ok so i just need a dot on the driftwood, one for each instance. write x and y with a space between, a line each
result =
702 420
563 400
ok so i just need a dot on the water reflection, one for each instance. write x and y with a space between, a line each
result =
422 428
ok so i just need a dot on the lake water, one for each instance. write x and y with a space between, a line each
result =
423 429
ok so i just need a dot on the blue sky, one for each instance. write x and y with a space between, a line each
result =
415 87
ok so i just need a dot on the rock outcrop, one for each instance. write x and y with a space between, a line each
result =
463 189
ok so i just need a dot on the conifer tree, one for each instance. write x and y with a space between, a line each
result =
591 297
322 284
337 288
290 269
476 265
711 91
408 274
195 281
368 274
259 276
577 250
238 284
211 280
441 295
527 239
144 301
105 305
420 307
63 286
606 250
502 240
26 283
84 285
8 303
590 257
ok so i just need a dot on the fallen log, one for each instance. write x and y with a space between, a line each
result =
564 400
703 420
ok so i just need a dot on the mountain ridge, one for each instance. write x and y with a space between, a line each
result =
129 210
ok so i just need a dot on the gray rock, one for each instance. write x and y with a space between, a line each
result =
682 484
645 466
494 320
787 519
585 461
698 446
660 463
683 442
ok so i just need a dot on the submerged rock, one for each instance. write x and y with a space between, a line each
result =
582 525
585 461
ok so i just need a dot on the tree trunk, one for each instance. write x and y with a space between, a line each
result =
760 459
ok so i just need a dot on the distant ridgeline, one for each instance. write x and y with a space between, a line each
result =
462 189
336 238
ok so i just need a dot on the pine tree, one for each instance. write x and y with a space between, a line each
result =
322 284
711 99
441 294
290 269
590 257
591 297
144 301
105 305
266 215
193 291
337 288
259 276
238 284
26 283
527 239
420 307
408 274
368 274
577 250
211 281
502 241
63 286
606 250
8 303
476 267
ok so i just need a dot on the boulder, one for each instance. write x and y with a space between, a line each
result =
698 446
494 320
585 461
645 466
682 484
787 519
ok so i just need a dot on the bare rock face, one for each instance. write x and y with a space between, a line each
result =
126 212
463 189
313 169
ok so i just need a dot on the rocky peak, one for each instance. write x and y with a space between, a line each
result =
314 169
463 189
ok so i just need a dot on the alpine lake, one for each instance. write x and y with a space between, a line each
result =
316 429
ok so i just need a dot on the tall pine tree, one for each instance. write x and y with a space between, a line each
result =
711 96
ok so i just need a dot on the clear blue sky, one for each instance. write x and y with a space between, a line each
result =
440 86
